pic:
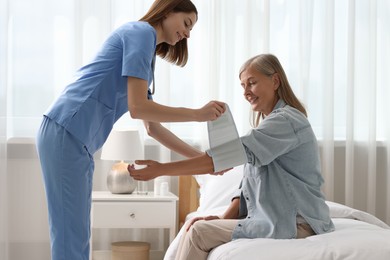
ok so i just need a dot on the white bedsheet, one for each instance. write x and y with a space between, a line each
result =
358 236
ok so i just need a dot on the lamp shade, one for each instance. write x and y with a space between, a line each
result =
123 145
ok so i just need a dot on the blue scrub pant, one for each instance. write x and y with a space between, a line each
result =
67 169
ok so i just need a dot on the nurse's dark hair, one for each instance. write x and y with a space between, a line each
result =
177 54
268 65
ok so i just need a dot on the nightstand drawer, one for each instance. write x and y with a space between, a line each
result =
132 214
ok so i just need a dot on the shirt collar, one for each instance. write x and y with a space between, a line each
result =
279 104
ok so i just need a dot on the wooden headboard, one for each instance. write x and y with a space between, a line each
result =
188 197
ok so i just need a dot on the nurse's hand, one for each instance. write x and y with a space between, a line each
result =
192 221
151 170
211 111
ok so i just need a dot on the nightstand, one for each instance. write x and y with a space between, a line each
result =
134 211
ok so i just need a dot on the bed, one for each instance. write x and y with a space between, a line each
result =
358 235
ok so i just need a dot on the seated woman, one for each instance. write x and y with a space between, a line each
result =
280 194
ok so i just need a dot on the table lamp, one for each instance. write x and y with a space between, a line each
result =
122 146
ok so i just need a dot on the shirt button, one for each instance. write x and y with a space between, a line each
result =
239 225
247 198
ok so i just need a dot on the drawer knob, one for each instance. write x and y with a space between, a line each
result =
132 215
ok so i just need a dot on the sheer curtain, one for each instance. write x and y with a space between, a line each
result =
335 53
3 127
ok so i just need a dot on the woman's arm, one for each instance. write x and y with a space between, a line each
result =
197 165
170 140
142 108
231 213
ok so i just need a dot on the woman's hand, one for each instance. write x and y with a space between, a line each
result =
200 218
211 111
151 170
221 172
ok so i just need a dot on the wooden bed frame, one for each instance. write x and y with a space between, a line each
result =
188 197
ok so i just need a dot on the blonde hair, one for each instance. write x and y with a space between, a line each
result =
177 54
268 65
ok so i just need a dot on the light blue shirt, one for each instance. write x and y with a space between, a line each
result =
89 107
282 178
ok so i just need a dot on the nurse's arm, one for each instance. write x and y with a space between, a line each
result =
170 140
202 164
141 108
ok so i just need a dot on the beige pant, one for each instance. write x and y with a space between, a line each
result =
206 235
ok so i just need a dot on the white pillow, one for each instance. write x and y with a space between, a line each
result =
342 211
217 191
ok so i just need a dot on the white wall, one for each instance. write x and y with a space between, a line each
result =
3 196
360 184
27 214
3 186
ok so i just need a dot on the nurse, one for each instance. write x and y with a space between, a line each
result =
79 121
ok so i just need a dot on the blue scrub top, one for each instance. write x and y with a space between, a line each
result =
89 107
